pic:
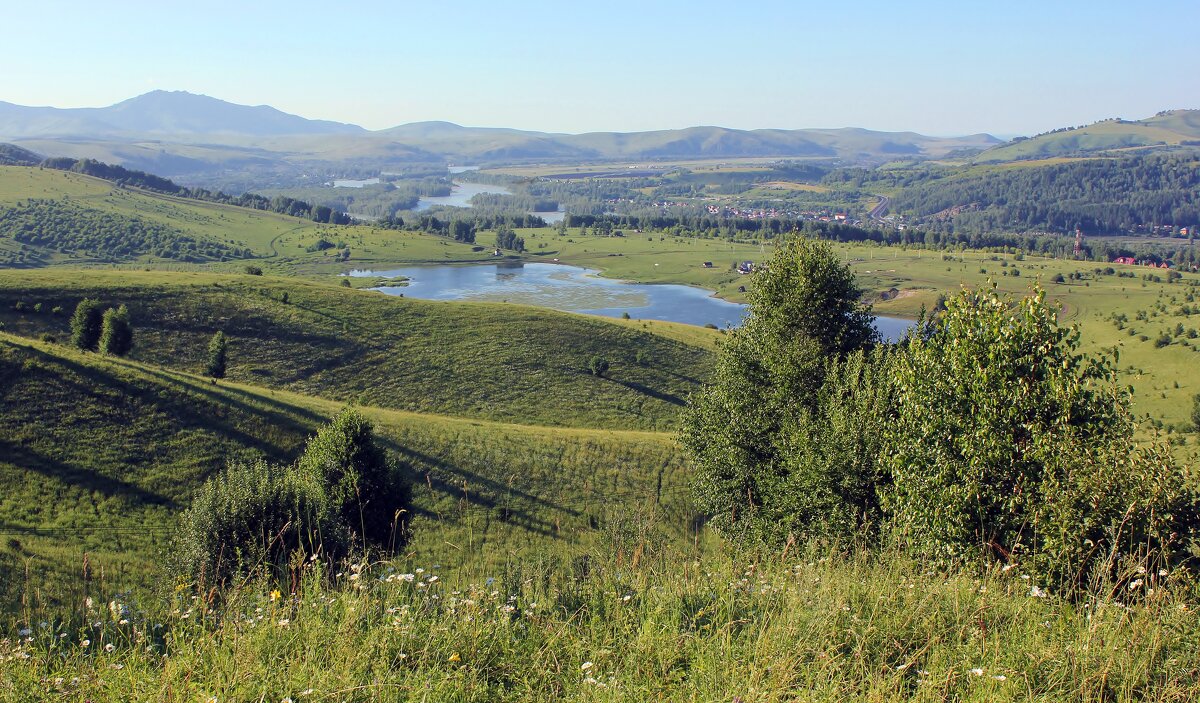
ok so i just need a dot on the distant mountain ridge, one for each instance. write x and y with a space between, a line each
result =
148 131
160 112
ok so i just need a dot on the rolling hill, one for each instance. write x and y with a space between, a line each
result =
99 454
1166 129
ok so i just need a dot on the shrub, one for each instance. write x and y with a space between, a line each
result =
116 333
598 366
253 516
253 270
217 356
86 324
365 489
1004 438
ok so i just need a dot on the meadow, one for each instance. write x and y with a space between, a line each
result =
99 454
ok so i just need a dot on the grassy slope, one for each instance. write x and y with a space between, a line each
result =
492 361
1101 136
98 454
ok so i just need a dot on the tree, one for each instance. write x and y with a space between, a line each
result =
217 351
116 333
364 487
1196 412
598 365
805 311
86 324
1006 441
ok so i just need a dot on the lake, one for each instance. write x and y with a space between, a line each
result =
460 195
576 289
355 183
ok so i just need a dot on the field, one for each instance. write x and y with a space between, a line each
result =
99 454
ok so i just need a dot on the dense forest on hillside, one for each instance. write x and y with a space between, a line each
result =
1102 196
69 228
147 181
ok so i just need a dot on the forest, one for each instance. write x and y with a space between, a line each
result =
69 228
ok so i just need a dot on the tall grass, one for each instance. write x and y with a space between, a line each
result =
633 622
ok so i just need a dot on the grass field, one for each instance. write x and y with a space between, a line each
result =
98 455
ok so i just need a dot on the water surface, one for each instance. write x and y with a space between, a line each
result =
460 195
576 289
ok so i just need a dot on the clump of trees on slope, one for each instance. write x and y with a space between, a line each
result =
985 434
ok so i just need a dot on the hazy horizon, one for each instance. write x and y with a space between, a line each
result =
1018 68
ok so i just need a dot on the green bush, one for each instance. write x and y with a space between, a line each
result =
1005 438
217 356
253 516
365 490
86 324
116 332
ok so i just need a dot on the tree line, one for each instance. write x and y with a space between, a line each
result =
140 179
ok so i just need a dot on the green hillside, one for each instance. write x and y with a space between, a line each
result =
484 360
1166 129
98 455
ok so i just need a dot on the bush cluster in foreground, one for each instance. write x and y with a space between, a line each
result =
342 496
985 433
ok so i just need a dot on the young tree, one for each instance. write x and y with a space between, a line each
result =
598 365
363 485
1007 441
805 310
86 324
116 332
217 350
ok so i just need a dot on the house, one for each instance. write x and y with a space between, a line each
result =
708 264
746 267
1125 260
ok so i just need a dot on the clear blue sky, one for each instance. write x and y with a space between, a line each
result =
1013 67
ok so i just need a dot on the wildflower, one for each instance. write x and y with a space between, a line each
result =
433 579
1136 583
286 700
585 666
407 577
976 672
1000 677
85 643
455 657
1036 592
25 632
275 595
285 622
110 647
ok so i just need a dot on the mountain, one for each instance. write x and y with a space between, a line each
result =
191 137
161 113
1171 128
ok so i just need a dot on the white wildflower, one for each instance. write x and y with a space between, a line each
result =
976 672
585 666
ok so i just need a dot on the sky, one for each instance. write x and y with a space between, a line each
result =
939 68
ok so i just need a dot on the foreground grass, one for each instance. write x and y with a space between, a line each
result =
631 624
